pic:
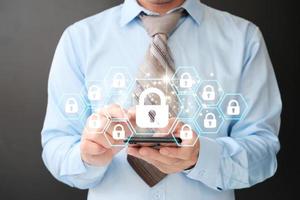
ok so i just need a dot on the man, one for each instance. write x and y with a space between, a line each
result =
242 154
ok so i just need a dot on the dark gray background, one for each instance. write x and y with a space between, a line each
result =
29 32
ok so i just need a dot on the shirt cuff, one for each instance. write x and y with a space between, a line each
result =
74 165
207 167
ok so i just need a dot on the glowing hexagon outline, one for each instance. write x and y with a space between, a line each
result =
86 88
196 127
210 104
196 99
196 84
84 122
85 106
124 69
130 127
220 125
234 118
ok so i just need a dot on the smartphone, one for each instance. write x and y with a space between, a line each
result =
155 142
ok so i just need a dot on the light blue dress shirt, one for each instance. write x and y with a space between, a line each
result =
240 155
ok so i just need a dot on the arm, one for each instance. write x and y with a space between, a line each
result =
61 138
248 155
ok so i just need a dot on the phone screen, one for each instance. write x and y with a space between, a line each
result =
155 142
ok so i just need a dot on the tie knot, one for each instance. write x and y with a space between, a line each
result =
161 24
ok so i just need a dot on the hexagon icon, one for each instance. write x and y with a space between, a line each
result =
185 79
209 120
187 130
118 80
156 103
120 130
95 93
72 106
233 106
210 92
93 122
189 105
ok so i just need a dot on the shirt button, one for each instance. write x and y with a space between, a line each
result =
157 195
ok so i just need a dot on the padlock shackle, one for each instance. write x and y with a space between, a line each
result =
118 126
119 76
95 116
186 74
71 99
186 126
233 101
148 91
94 87
210 115
209 87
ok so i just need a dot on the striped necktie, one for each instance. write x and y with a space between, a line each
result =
158 67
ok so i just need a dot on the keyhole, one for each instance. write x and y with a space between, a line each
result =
233 110
118 134
209 123
152 114
208 95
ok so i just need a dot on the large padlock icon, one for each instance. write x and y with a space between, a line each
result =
71 106
186 80
152 116
94 93
233 107
118 132
186 132
94 121
208 93
210 120
119 80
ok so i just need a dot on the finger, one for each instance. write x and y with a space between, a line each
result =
92 148
115 145
135 152
183 153
100 160
96 123
154 154
131 112
97 138
116 111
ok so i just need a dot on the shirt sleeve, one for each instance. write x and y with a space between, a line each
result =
248 154
60 136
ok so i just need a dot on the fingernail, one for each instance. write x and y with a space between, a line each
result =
143 152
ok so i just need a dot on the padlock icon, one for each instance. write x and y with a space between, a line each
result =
186 80
186 132
71 106
119 80
208 93
118 132
152 116
233 107
94 121
210 120
94 93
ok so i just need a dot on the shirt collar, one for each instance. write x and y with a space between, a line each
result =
131 9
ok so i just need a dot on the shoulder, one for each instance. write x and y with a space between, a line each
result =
225 21
106 18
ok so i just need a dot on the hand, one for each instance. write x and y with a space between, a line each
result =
170 159
95 148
